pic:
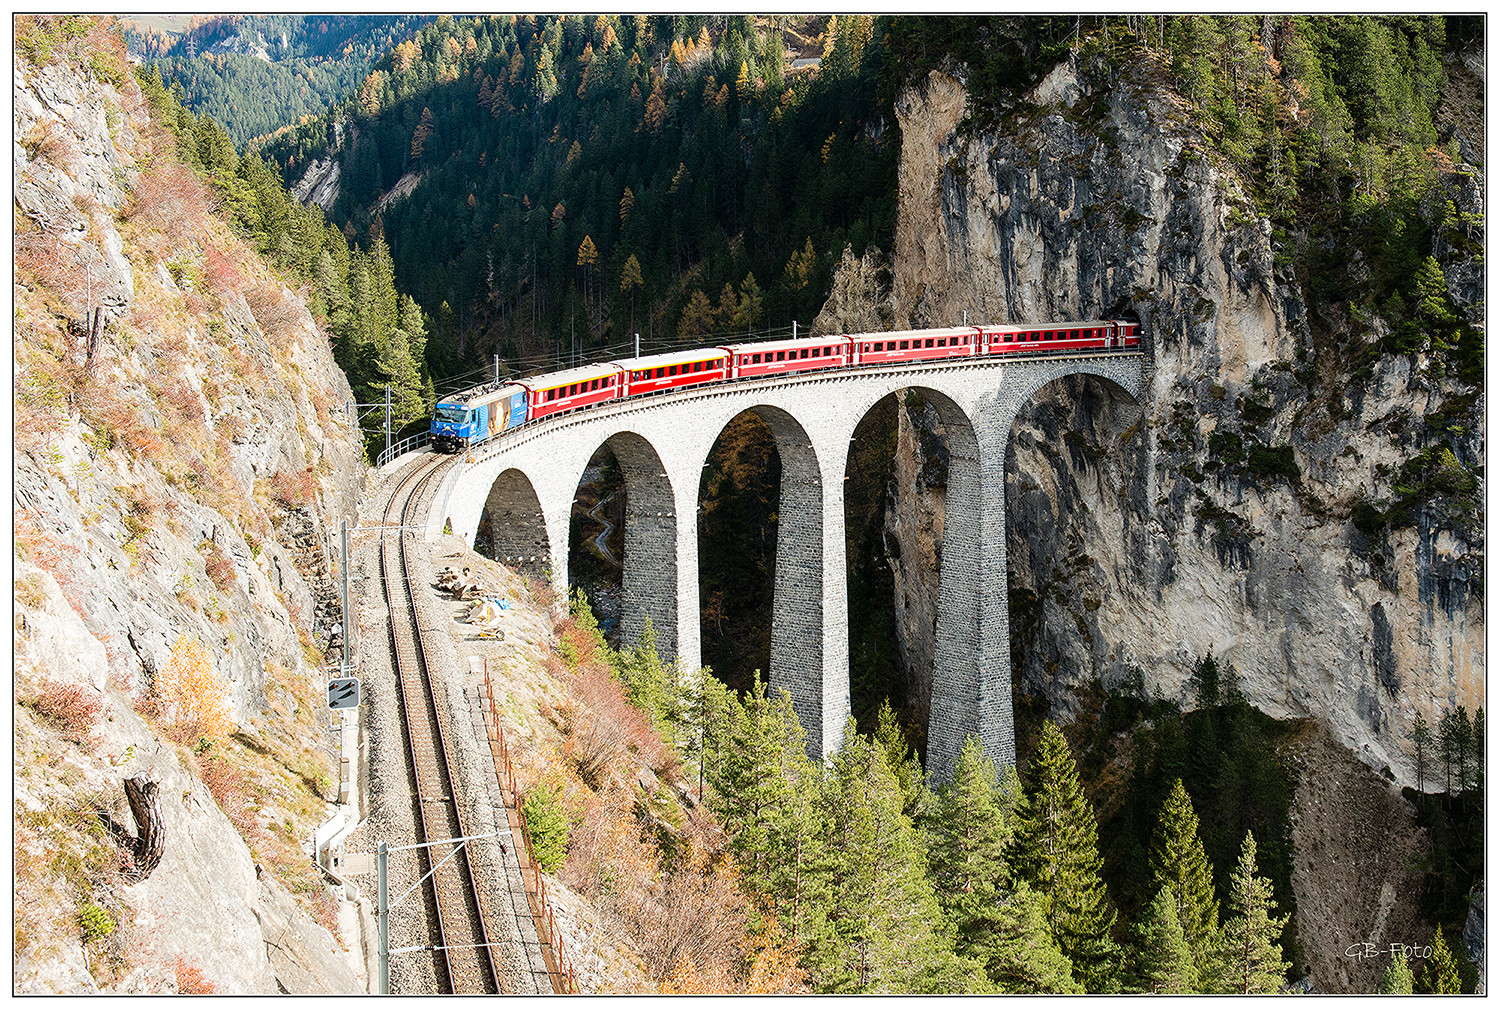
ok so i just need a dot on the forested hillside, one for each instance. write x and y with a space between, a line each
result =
378 334
590 178
295 66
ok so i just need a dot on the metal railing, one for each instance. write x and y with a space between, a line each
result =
402 447
559 966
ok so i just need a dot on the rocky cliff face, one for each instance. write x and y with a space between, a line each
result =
181 458
1220 521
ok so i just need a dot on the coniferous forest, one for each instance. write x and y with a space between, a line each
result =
564 183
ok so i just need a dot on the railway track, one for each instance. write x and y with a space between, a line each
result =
463 959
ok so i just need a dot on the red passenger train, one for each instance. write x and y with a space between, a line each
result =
575 388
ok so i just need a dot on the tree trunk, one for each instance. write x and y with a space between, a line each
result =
151 833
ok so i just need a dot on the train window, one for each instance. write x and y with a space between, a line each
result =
755 360
905 344
780 355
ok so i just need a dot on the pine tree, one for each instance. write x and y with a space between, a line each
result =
967 828
996 925
630 280
748 307
1447 747
1056 851
884 922
1477 743
1421 740
1461 743
1179 864
1019 954
1163 959
1439 973
900 757
650 684
697 318
1249 956
1397 979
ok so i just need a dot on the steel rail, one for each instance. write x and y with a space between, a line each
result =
466 961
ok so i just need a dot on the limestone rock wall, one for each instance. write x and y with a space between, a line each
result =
1142 543
181 459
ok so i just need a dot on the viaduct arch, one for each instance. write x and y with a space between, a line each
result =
526 481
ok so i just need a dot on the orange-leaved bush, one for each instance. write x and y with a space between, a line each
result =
194 696
191 981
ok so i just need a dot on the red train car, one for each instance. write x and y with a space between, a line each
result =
676 370
1065 336
573 388
917 345
775 357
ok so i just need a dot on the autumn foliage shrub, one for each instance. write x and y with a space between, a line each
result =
223 277
274 309
191 981
294 488
170 199
217 564
194 696
229 790
76 708
605 725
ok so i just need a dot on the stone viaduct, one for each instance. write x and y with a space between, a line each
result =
526 482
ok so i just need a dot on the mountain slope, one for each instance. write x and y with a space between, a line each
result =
180 456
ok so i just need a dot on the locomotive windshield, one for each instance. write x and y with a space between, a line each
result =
443 412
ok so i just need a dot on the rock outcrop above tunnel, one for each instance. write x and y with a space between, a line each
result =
1221 522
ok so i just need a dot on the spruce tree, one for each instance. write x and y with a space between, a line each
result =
1249 956
900 757
1018 952
1179 864
967 828
1439 973
1397 979
1421 739
884 923
1056 851
1162 960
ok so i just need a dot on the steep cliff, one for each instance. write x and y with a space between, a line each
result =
181 456
1224 520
